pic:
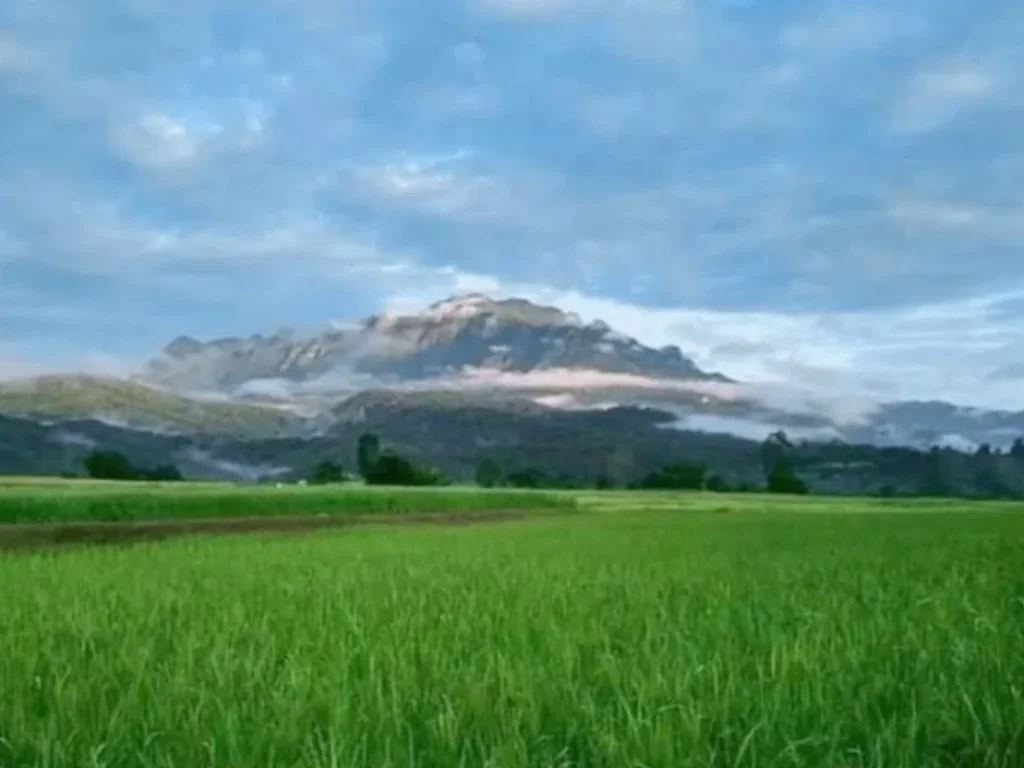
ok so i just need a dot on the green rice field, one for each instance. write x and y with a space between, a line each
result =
715 631
48 501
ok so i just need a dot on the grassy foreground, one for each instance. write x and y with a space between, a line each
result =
64 502
641 639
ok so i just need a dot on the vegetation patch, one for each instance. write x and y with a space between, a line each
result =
64 502
660 640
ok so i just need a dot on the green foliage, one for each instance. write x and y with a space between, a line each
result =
393 469
113 465
782 479
488 474
367 454
1017 449
661 640
327 473
165 473
87 501
528 478
680 476
109 465
717 484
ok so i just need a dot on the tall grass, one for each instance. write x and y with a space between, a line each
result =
637 640
103 502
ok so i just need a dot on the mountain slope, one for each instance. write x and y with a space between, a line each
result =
140 406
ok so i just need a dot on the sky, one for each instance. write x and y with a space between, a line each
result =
828 193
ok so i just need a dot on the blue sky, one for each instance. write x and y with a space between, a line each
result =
828 192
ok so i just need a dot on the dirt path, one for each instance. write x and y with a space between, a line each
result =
21 536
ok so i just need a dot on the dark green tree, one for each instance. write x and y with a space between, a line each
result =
680 476
109 465
165 473
1017 449
367 453
782 479
528 478
114 465
326 473
488 474
393 469
717 483
776 448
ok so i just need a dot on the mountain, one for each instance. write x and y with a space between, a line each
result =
33 447
471 376
478 349
468 332
140 406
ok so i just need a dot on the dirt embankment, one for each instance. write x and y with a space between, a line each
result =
22 536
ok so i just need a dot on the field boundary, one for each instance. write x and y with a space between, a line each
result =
15 536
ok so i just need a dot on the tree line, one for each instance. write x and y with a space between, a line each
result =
782 465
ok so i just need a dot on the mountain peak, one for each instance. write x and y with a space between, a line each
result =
461 305
464 332
465 306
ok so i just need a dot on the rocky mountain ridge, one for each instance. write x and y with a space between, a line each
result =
470 331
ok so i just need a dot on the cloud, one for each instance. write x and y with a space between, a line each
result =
15 365
772 185
157 140
533 9
937 94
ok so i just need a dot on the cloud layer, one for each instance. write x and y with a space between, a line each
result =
825 193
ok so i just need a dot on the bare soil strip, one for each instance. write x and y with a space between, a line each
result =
21 536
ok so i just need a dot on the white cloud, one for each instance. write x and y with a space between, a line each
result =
156 140
526 9
937 94
15 364
958 217
8 53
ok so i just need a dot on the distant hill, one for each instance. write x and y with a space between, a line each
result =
140 406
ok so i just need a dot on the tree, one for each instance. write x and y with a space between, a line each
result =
775 449
782 479
604 482
681 476
718 484
1017 450
327 472
114 465
165 473
488 474
393 469
367 453
109 465
528 478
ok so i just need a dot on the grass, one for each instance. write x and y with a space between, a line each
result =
631 639
24 501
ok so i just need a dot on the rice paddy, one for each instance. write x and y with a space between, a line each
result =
667 637
90 502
